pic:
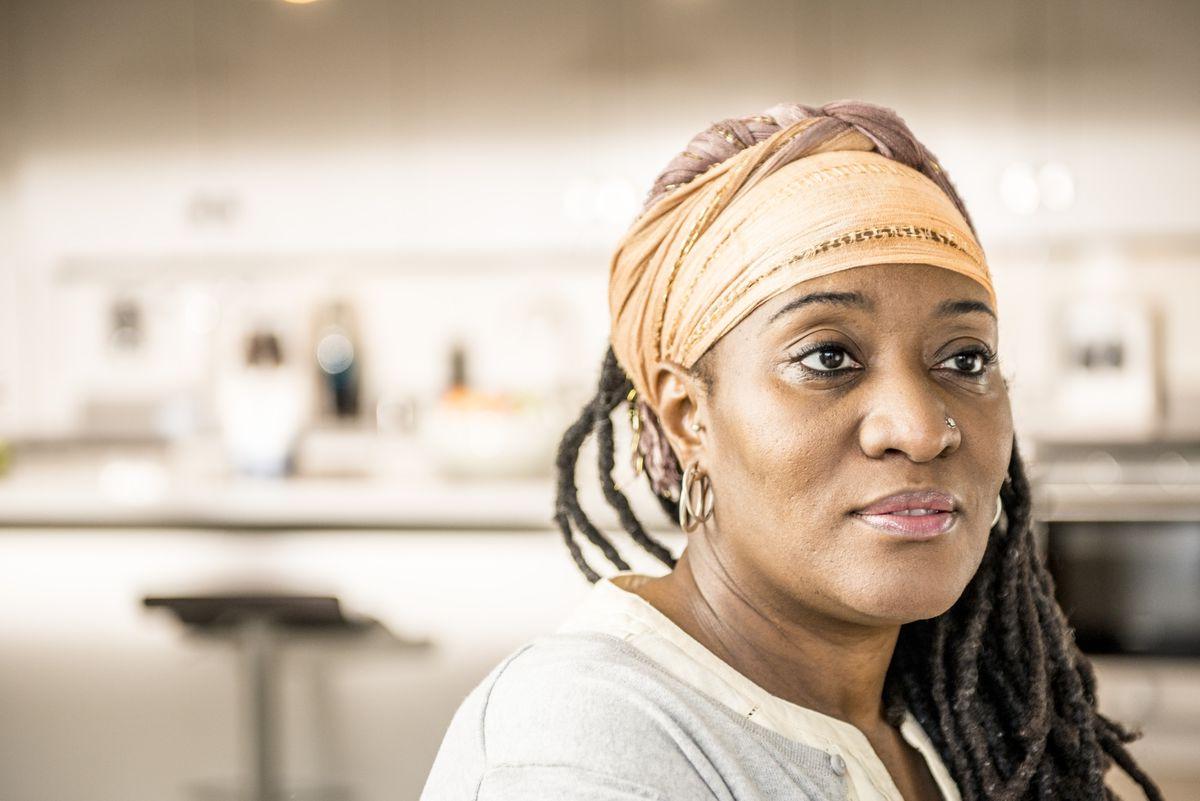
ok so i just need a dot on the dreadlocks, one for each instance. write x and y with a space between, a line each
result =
997 681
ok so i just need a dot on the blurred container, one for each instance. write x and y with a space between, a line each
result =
261 410
469 433
474 435
1109 386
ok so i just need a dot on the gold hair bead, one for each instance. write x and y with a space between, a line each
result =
725 134
635 423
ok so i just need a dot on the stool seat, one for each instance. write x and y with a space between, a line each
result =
284 611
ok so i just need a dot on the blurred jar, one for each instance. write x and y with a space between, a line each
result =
469 433
261 409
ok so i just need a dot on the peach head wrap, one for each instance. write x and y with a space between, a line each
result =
708 252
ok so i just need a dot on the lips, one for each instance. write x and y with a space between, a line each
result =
914 515
929 500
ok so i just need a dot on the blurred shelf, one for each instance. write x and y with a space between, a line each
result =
1066 244
1117 503
142 494
288 504
156 267
1110 481
367 482
283 505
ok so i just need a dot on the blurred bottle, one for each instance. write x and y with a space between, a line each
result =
126 326
338 352
458 386
461 392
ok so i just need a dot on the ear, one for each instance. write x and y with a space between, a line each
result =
681 402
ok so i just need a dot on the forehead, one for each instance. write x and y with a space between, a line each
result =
885 292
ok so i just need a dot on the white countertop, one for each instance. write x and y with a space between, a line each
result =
138 489
131 491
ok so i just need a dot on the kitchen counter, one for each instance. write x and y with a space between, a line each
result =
145 488
285 504
1072 502
131 490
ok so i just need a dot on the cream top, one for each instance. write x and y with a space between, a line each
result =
614 609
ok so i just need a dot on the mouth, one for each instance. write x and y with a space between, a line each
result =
915 515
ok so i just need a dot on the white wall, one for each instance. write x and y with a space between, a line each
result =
177 131
372 123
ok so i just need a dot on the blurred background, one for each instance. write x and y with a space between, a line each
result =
296 299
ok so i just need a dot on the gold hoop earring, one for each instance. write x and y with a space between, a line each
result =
999 509
689 515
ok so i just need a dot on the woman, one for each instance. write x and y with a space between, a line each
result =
804 330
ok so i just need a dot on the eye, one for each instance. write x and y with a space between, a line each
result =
825 358
972 362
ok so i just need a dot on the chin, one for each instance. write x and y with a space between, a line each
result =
900 599
915 581
909 609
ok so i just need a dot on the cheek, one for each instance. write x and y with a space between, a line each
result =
1002 434
780 452
778 473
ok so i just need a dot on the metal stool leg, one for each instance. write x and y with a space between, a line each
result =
258 679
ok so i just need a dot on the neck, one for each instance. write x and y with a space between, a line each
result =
832 666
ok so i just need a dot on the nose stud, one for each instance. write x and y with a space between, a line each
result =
950 422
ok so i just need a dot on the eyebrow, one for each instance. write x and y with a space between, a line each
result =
949 308
856 300
853 300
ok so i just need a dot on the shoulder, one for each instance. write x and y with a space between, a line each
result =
462 757
574 707
567 694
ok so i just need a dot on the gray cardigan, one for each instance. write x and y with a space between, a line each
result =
587 717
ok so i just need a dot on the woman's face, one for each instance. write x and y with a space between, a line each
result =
833 395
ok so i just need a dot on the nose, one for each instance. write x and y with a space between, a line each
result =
905 412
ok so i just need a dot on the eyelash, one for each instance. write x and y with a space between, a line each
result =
988 358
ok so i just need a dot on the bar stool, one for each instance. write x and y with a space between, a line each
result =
258 623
